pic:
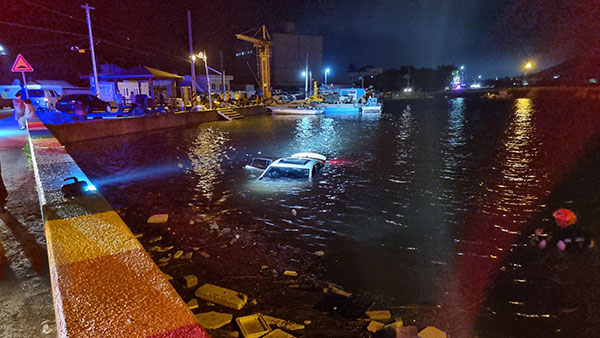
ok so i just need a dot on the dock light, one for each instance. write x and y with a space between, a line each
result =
327 70
76 188
462 67
303 74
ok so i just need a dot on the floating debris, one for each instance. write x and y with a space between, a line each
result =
253 325
282 323
168 277
319 253
164 259
214 226
187 255
158 218
192 304
190 281
160 249
381 315
263 267
278 333
204 254
138 235
253 302
222 296
290 273
213 320
155 239
178 254
432 332
375 326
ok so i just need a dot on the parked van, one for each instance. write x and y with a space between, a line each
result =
41 98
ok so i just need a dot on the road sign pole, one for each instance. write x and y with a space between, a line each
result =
25 85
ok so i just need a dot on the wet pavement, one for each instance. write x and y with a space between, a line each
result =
26 307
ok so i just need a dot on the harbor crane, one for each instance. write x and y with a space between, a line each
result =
264 54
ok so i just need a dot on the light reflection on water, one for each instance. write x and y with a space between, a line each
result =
389 217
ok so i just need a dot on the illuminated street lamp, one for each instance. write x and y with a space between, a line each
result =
326 72
202 55
528 66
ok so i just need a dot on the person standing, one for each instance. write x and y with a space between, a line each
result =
19 107
119 101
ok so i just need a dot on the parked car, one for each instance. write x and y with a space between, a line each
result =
292 168
90 103
41 98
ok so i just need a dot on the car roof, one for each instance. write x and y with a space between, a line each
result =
291 162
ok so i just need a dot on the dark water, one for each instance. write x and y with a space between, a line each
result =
422 194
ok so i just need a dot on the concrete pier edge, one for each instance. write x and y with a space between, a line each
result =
104 283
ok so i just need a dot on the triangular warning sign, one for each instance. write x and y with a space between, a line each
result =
21 65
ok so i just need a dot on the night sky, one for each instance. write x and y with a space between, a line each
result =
492 37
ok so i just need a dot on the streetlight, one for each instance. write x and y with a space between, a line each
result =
326 72
202 55
528 66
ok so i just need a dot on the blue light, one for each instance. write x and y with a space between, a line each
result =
303 74
90 187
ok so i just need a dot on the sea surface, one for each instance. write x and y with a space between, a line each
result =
429 203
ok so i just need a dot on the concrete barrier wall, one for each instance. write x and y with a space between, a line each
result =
104 283
92 129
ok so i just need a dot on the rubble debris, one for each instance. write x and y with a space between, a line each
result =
338 291
192 304
231 334
307 322
187 255
319 253
178 254
381 315
253 302
432 332
222 296
158 218
213 320
263 267
278 333
190 281
214 226
168 277
397 323
160 249
253 326
164 259
155 239
290 273
375 326
195 248
138 235
204 254
282 323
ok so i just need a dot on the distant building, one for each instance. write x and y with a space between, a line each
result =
290 52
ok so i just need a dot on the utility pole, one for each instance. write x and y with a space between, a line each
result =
89 22
222 71
192 56
306 79
208 80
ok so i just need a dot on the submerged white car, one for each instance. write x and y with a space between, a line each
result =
292 168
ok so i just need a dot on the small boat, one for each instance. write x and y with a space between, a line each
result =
258 164
372 106
341 108
296 110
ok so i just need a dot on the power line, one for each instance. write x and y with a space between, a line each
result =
49 30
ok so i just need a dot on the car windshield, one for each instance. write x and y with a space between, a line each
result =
276 173
35 93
